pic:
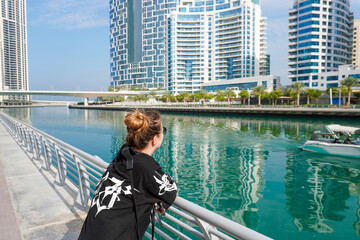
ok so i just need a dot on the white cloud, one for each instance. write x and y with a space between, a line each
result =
70 14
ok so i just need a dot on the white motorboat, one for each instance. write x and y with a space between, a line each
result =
336 141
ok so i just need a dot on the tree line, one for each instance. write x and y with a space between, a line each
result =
295 91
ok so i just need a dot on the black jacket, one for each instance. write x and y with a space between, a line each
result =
111 215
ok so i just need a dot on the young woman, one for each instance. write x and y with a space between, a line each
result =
119 211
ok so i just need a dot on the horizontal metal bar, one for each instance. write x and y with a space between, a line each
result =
220 234
175 231
224 224
183 215
161 233
185 226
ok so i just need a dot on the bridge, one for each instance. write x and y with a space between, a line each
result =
83 94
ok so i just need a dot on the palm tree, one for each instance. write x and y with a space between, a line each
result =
153 93
343 91
298 87
244 95
183 96
349 82
276 94
258 91
309 93
202 94
316 94
167 95
219 95
228 93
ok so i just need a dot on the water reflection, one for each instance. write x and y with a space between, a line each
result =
317 190
246 168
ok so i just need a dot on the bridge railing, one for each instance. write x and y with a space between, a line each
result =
186 220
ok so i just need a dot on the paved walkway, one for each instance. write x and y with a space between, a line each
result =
32 204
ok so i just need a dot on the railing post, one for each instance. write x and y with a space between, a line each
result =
60 176
31 143
83 193
205 227
37 153
46 162
25 141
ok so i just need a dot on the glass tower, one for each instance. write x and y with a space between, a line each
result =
214 40
320 38
13 47
137 42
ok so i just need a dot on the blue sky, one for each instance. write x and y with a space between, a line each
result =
68 42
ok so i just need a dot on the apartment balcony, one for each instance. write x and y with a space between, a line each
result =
293 30
187 53
228 31
239 20
230 27
224 37
181 25
232 46
197 43
188 31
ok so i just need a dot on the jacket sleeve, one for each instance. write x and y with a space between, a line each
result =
161 186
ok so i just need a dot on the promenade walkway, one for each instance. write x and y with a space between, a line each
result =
32 204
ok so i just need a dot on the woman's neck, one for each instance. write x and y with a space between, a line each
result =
147 150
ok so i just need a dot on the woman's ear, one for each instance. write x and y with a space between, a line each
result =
153 141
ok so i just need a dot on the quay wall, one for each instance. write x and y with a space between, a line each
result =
295 112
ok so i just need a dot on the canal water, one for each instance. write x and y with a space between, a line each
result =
248 169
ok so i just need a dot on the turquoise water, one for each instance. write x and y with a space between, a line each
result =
248 169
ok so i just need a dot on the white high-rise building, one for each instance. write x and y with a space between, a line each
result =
13 47
320 39
214 41
356 44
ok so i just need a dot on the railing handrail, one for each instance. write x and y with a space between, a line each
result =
211 221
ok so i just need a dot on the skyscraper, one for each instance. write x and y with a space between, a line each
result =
356 44
214 40
13 46
320 38
137 41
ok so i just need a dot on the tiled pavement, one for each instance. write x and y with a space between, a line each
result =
32 204
9 228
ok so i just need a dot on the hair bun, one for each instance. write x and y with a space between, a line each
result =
136 122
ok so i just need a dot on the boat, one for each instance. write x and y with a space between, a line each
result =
336 140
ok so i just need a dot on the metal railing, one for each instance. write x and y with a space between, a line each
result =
186 220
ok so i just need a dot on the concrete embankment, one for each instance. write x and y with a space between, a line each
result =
34 105
33 205
296 112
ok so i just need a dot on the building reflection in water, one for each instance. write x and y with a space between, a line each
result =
220 162
317 190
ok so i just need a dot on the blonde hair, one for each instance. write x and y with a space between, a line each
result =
142 126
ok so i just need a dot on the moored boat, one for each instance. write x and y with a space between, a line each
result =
337 140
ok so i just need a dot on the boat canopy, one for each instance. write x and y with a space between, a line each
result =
339 128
